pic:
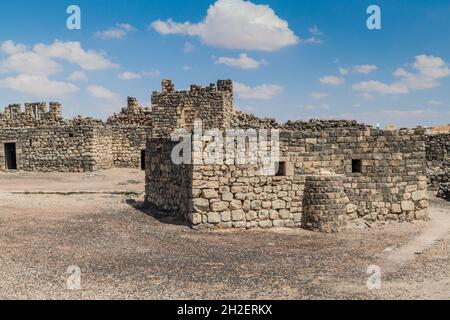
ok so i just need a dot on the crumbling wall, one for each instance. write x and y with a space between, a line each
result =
173 109
46 149
438 159
46 142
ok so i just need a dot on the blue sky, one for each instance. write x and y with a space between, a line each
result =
289 59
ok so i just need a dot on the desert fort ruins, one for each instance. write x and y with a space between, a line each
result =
329 172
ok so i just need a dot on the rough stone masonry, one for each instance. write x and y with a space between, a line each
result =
330 172
371 174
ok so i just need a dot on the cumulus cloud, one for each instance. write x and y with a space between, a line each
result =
72 52
103 93
235 24
128 75
119 31
77 76
261 92
426 73
9 47
241 62
29 62
38 86
380 87
31 68
332 80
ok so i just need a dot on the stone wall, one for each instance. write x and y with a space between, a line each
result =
390 184
325 203
231 196
46 142
66 148
178 109
438 159
167 186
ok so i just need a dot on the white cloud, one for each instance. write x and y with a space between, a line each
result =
9 47
188 47
332 80
313 40
242 62
118 32
187 68
38 86
380 87
315 31
77 76
343 71
235 24
128 75
103 93
365 68
261 92
427 72
29 63
73 52
318 95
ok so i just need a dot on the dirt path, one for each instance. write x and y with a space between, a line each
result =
421 266
437 229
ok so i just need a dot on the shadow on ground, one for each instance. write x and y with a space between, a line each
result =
153 211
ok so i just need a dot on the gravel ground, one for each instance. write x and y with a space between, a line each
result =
126 252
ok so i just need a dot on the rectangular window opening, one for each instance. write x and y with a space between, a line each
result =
280 168
356 166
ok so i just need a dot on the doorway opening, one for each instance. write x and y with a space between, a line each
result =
142 159
10 156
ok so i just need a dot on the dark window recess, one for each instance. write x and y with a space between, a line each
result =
70 135
280 168
10 156
142 159
356 166
31 143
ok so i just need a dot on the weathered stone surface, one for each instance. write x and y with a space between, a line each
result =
407 206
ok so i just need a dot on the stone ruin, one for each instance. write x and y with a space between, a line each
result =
372 175
438 162
330 172
38 139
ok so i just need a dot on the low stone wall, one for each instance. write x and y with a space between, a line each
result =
230 196
324 203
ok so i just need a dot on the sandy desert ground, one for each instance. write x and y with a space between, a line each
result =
49 222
